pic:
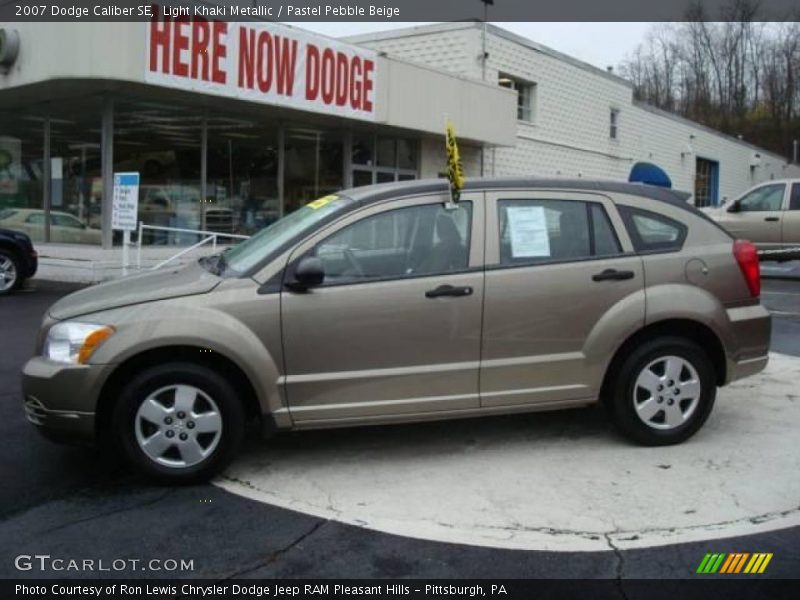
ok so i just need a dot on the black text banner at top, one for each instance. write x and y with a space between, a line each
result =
398 10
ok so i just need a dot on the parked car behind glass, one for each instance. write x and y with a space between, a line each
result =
386 304
64 227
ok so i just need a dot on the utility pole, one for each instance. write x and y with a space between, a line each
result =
484 57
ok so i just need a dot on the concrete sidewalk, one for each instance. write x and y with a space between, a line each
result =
548 481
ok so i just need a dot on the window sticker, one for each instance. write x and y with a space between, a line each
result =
320 202
528 228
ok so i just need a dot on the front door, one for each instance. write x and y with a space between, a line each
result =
394 330
557 279
757 215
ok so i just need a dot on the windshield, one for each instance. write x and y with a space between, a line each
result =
244 256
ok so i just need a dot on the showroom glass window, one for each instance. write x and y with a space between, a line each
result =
162 144
75 187
21 148
242 181
380 159
314 166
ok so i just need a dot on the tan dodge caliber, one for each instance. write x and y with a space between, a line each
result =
389 304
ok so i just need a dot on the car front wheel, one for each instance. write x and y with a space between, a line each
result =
663 392
10 274
179 422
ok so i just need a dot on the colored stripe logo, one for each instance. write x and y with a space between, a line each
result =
735 562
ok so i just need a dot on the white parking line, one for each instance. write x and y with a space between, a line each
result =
770 293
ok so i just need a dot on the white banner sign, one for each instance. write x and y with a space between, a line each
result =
125 201
261 62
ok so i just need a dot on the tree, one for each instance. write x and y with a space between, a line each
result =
738 75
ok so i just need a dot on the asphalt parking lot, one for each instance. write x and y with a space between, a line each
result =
78 503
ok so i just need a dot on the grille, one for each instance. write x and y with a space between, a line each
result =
35 411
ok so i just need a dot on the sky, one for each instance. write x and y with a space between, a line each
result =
599 44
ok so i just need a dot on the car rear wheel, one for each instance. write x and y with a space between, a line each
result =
179 422
10 272
663 392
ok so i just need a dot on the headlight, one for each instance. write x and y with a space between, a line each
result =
73 342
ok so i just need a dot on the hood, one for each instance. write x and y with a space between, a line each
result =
712 210
157 285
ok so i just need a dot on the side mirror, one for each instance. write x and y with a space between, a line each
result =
735 207
309 273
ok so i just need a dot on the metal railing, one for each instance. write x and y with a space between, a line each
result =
211 236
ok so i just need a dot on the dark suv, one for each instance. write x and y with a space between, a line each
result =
18 260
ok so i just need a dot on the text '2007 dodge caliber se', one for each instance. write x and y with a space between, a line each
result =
389 304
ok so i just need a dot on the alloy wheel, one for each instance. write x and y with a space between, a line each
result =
178 426
8 273
667 392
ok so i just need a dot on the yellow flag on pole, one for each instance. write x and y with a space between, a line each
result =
455 171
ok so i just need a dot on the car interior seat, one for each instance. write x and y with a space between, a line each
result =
449 253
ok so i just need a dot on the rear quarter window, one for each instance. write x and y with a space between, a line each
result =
652 232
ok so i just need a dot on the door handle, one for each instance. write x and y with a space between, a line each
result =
612 275
449 290
772 219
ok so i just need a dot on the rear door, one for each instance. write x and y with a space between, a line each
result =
394 330
757 215
560 275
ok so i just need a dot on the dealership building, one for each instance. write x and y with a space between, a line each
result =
231 125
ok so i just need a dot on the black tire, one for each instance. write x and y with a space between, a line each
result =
621 400
209 382
6 255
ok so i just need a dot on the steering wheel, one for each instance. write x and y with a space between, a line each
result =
353 262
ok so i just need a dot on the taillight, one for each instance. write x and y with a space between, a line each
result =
747 256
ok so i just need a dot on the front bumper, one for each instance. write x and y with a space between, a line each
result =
751 328
61 400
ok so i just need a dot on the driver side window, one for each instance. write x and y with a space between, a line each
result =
767 198
406 242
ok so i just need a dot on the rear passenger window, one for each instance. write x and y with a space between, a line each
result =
652 232
794 202
538 231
